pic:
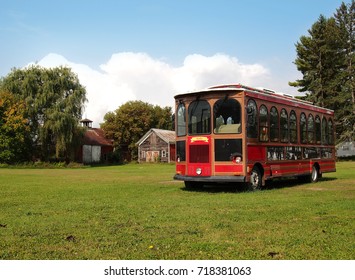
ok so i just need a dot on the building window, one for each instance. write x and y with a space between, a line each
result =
263 124
163 153
142 154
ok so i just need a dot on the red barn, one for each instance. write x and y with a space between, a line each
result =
95 147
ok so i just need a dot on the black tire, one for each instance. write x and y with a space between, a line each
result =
255 182
315 174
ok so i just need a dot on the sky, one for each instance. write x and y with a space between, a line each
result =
151 50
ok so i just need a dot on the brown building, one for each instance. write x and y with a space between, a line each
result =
96 146
157 145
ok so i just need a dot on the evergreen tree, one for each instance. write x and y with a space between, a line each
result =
316 58
326 58
345 20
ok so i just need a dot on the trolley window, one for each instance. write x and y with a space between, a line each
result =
227 117
199 117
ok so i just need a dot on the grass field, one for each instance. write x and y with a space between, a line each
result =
138 212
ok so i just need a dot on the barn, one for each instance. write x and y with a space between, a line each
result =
157 145
95 146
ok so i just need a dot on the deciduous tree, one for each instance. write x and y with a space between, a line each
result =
54 101
131 121
14 130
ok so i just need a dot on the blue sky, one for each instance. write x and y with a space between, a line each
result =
161 35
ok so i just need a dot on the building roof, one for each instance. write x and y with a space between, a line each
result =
85 120
96 137
166 135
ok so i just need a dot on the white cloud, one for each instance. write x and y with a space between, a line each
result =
137 76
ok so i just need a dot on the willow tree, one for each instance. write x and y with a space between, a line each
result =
54 101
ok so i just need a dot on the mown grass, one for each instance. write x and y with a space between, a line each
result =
138 212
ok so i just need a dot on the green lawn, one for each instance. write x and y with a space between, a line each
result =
138 212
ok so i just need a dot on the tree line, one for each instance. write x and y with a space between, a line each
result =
40 113
326 58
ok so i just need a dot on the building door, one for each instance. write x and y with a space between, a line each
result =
152 156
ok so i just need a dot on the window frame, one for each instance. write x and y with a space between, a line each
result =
303 128
293 122
182 126
284 126
252 118
310 129
200 125
227 116
263 124
318 129
324 131
330 132
274 124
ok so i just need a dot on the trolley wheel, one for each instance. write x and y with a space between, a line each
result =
315 174
255 179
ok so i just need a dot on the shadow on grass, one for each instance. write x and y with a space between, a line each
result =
291 182
241 188
217 188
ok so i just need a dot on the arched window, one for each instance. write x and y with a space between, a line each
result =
263 124
303 128
274 124
293 127
181 120
227 116
324 132
330 132
252 122
318 130
284 126
310 129
199 117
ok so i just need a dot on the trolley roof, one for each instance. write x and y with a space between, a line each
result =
253 92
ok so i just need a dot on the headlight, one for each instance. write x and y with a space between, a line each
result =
238 159
198 171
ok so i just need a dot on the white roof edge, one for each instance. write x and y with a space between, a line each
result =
219 88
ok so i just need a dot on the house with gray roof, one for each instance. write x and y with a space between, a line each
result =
157 145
